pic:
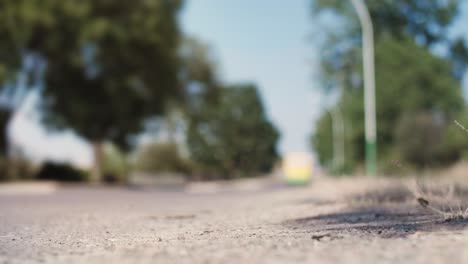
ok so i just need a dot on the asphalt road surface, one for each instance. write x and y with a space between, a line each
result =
330 221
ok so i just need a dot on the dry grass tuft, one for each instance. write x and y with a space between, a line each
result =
443 200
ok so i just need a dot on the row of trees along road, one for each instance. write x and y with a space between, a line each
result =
106 67
419 68
110 64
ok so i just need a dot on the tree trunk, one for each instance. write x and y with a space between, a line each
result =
96 174
6 170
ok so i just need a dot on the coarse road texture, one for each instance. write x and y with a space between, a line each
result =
331 221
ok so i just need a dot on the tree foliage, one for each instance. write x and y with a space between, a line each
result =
233 137
425 20
161 158
412 83
110 64
117 70
199 75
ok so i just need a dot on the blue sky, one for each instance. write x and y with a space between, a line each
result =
266 42
269 42
263 41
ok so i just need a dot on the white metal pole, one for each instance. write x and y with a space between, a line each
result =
369 85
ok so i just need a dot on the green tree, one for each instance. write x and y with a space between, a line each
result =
19 64
200 79
110 64
455 138
322 140
410 80
233 137
419 137
409 77
199 72
426 22
161 157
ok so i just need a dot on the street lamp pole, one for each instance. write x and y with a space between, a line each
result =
369 85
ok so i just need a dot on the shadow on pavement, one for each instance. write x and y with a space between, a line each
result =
389 213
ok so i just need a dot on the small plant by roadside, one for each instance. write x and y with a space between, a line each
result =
446 201
443 201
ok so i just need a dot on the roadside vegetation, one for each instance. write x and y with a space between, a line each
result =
111 70
419 72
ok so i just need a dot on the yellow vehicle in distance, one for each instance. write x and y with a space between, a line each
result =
298 167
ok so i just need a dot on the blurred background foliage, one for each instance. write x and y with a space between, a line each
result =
232 137
419 69
117 71
58 171
115 167
108 69
157 157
